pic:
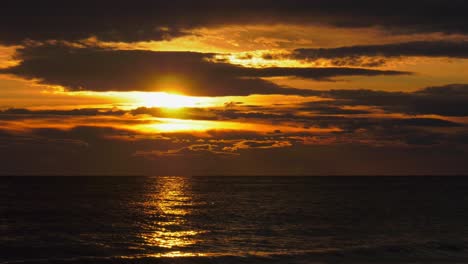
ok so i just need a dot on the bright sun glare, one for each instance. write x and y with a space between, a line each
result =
166 100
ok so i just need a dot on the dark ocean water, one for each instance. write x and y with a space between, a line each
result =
233 220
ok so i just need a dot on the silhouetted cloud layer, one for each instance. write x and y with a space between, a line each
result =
352 55
186 72
155 20
364 141
450 100
344 131
101 150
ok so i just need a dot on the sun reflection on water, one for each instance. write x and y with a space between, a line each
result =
171 203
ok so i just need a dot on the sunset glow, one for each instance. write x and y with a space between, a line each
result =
306 85
166 100
151 131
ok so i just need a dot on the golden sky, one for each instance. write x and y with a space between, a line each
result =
314 87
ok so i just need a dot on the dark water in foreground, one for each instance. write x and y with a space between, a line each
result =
234 220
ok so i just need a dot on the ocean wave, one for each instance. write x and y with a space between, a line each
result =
431 251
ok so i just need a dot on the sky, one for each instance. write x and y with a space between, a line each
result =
297 87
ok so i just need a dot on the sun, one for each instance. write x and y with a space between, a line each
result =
168 100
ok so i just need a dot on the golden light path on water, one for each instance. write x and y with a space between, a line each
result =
171 201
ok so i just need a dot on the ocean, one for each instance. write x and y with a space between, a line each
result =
233 220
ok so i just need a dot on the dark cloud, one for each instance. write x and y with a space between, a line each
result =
156 20
327 109
51 112
186 72
264 113
317 73
90 150
191 150
450 100
386 125
425 122
351 127
365 143
353 55
372 141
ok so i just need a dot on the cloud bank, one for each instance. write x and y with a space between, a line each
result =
189 73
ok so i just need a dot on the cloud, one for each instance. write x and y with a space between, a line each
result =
156 20
184 72
317 73
51 112
327 109
260 144
90 151
217 147
357 55
424 122
89 145
365 129
191 150
449 100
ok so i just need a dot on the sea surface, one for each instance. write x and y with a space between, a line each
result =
233 220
